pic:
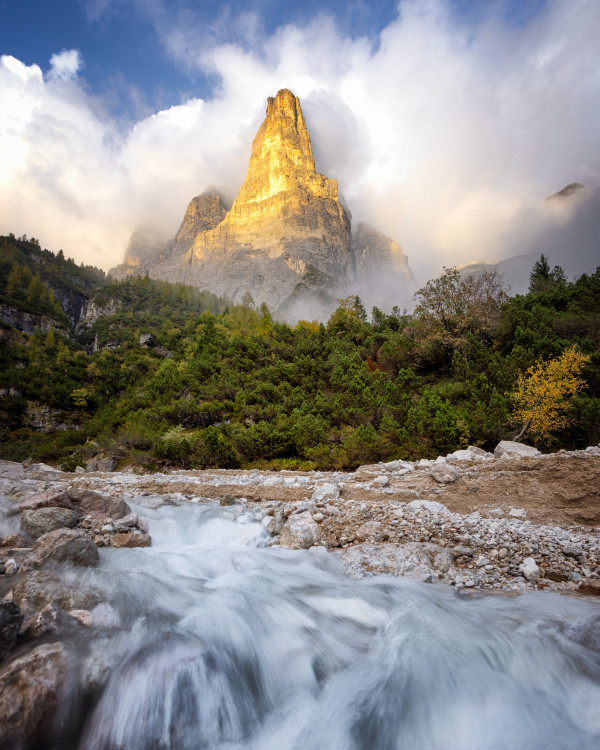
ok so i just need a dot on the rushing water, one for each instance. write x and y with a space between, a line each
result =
211 640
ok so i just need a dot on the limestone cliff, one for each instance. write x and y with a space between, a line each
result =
286 226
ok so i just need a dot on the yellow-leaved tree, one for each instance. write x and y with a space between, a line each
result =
542 393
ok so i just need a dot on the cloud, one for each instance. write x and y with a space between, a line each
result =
445 133
65 65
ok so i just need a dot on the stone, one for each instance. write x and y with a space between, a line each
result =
401 466
47 499
10 567
88 501
83 616
463 551
300 531
38 522
430 505
481 561
148 340
101 462
125 523
367 530
65 546
511 449
49 620
11 619
15 541
130 539
273 481
324 492
480 452
591 588
41 587
227 499
530 570
517 513
572 551
29 693
444 473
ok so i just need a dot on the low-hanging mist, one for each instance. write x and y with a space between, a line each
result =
445 134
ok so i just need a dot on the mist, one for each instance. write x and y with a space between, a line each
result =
445 134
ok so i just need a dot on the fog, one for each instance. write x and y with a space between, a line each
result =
445 135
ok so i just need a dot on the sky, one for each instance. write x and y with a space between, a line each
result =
445 122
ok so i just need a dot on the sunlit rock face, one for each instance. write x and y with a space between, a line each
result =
286 227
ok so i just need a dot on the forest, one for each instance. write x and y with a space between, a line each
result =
163 375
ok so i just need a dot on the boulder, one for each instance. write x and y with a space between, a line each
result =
101 462
510 449
130 539
126 523
41 587
530 570
47 499
29 689
148 340
49 620
10 624
397 466
327 491
444 473
300 531
38 522
88 501
15 541
367 530
65 546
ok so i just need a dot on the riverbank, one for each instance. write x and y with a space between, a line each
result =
470 520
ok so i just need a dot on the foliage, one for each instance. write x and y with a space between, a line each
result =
225 385
542 393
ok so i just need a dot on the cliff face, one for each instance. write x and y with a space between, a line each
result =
286 224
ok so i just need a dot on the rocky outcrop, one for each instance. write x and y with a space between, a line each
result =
29 691
286 228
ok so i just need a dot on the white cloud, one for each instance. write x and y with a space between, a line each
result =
65 65
445 136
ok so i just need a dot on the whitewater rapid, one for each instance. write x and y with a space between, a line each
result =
213 640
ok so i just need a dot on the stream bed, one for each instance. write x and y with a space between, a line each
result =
211 639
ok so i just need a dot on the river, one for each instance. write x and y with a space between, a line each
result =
213 640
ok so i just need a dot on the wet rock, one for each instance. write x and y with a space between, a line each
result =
10 567
227 499
29 690
152 502
88 501
530 570
300 531
556 575
591 588
101 462
444 473
65 546
324 492
15 541
274 524
510 449
125 523
11 619
38 522
49 620
47 499
130 539
83 616
41 587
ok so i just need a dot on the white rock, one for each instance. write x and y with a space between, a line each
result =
300 531
462 455
481 561
444 473
273 481
424 463
431 505
10 567
403 466
530 569
517 512
515 450
327 491
380 482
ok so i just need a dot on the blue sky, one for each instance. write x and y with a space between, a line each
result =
126 57
445 122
